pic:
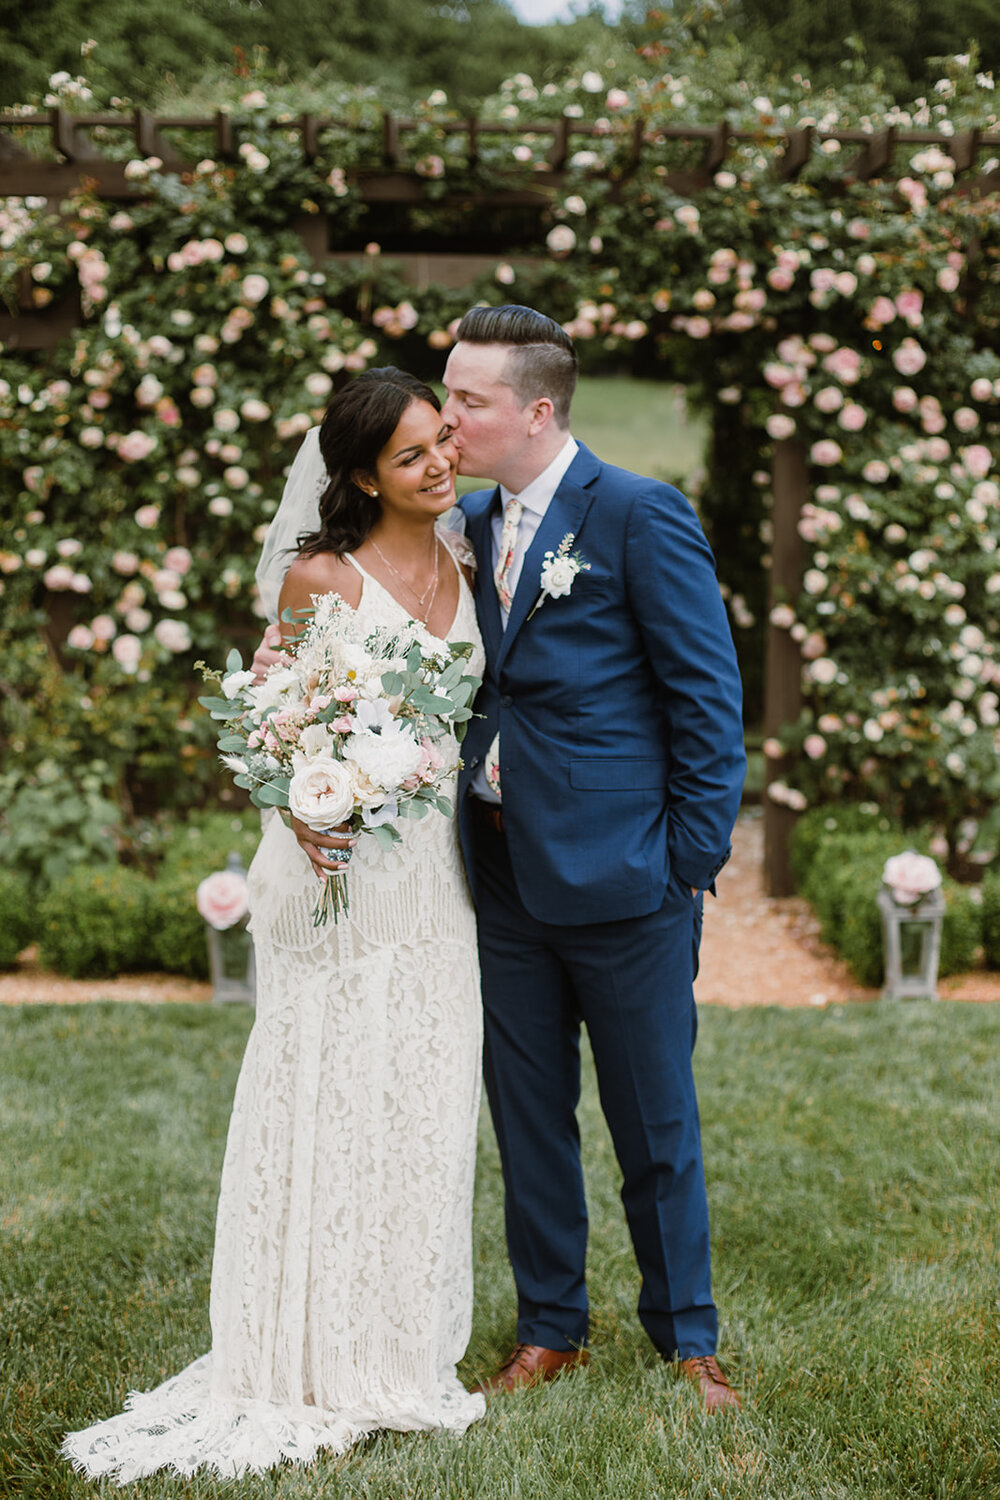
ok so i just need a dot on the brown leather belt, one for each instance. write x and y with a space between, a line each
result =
489 814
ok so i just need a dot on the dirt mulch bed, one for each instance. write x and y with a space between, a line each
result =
756 950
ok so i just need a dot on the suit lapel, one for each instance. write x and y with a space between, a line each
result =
564 516
487 603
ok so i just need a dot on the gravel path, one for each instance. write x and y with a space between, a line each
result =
756 950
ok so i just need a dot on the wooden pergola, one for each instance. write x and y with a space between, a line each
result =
387 179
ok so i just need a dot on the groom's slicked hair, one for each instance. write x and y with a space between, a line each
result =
542 359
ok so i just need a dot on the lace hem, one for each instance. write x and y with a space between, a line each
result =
181 1426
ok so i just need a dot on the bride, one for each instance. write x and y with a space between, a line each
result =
342 1277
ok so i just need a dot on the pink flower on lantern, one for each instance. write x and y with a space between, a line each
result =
910 876
222 899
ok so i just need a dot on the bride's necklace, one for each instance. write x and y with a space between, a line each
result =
424 606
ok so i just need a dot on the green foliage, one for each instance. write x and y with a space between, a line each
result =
991 918
56 818
156 52
15 916
141 461
96 922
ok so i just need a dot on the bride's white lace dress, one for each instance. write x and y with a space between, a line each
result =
342 1278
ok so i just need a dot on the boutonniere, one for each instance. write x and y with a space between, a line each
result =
559 571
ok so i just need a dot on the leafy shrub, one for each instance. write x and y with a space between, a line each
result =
15 916
837 860
962 931
55 819
97 922
990 914
205 841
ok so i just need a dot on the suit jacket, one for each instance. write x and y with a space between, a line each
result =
618 705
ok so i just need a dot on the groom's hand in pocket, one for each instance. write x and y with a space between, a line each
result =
322 849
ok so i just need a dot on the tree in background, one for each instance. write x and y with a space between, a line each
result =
151 49
898 38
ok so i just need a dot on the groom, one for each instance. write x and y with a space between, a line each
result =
598 794
599 790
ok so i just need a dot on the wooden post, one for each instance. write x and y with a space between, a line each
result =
783 685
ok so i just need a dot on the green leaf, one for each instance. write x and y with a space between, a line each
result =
216 704
234 661
385 835
392 683
232 742
414 659
271 794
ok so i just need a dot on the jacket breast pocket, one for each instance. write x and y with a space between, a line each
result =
618 775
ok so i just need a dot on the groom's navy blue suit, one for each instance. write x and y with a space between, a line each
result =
621 762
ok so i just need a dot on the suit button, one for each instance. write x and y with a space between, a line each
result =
506 701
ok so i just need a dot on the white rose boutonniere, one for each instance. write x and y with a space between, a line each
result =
559 571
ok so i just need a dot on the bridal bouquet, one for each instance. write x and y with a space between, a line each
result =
348 729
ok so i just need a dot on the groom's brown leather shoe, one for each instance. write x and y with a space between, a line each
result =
530 1364
716 1392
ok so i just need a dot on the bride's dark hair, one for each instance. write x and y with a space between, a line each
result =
359 421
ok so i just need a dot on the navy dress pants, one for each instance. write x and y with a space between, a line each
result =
630 983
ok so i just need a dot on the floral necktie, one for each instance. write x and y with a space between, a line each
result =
513 511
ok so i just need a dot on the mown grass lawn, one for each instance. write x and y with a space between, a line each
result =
854 1177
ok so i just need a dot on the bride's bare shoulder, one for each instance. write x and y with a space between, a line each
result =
321 573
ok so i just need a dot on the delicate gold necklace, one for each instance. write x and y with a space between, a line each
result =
432 587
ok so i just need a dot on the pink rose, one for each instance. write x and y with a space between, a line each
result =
222 899
826 452
909 358
853 417
882 311
910 305
977 460
904 398
844 364
136 445
815 746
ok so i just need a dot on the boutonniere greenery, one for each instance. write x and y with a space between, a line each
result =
559 570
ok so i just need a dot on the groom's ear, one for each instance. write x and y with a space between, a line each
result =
541 413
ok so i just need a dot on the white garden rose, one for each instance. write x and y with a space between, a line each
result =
557 576
321 794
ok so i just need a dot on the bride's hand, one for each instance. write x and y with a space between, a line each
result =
267 653
321 849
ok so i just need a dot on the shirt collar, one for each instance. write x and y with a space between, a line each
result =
536 495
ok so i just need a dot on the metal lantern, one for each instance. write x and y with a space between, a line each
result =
222 902
911 943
